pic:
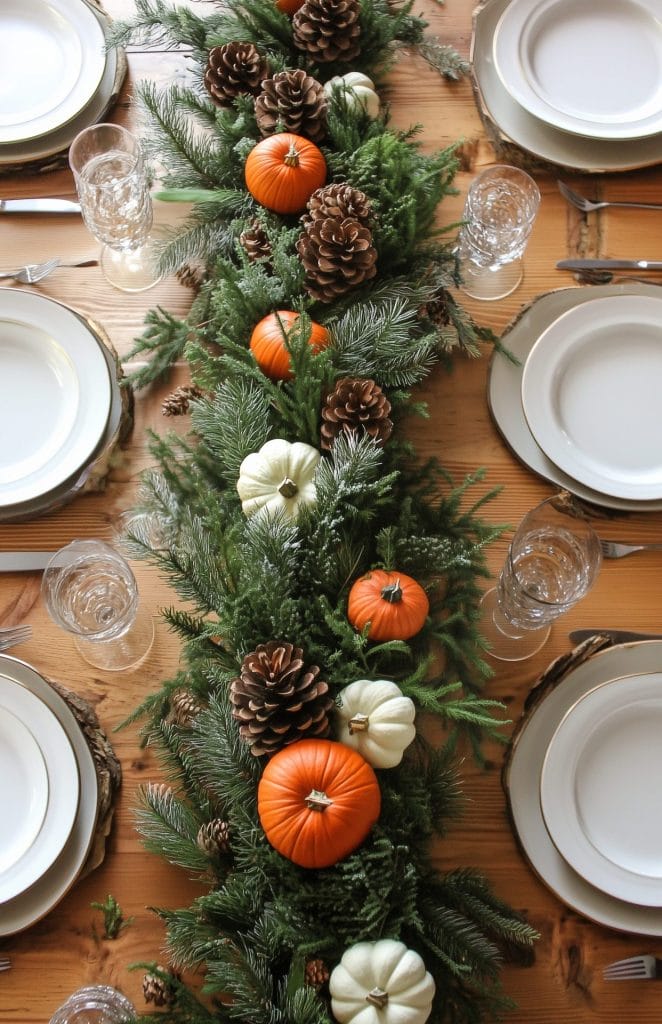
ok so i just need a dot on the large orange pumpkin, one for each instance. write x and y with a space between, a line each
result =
394 604
283 171
317 801
268 343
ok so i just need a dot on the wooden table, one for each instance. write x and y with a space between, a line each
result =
64 951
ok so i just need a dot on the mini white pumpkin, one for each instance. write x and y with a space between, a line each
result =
358 90
376 719
381 983
280 477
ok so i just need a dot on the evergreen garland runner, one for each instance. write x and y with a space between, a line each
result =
332 577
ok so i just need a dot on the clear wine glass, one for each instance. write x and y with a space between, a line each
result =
89 590
95 1004
552 562
109 171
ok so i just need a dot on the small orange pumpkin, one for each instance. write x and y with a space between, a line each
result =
394 605
289 6
282 172
317 801
268 343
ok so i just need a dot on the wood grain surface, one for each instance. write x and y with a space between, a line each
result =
65 951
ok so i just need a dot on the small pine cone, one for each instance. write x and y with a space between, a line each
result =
158 991
234 69
316 974
214 837
436 309
255 241
292 101
191 275
184 709
178 401
338 256
328 30
340 201
278 700
354 406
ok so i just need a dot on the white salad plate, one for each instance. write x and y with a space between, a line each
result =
34 903
52 58
590 393
522 779
24 789
598 792
504 387
593 67
57 755
545 142
55 395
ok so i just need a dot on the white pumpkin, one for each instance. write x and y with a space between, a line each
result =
358 90
381 983
278 478
376 719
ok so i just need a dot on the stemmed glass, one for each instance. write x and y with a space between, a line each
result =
89 590
552 562
112 186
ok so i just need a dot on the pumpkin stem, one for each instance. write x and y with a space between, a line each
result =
317 800
359 723
291 158
288 488
392 592
377 998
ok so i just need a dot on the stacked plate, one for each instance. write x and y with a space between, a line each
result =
48 799
582 408
571 80
60 402
581 782
57 76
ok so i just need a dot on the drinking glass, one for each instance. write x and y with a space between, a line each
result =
552 562
152 529
89 590
95 1004
112 186
498 217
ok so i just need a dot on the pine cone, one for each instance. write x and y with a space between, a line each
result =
339 201
338 256
177 402
354 406
234 69
436 309
214 837
292 101
158 991
255 241
184 709
278 700
191 275
316 974
328 30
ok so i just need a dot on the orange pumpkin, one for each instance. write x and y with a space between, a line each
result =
282 172
317 801
289 6
268 343
394 605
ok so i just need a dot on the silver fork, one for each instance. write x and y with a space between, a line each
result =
5 963
588 205
633 967
615 549
34 272
12 635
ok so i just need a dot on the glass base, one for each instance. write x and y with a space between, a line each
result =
133 270
125 652
511 646
490 283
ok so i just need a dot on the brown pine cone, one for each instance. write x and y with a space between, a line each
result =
316 974
339 201
278 700
338 256
191 275
356 405
436 308
328 30
184 709
214 837
234 69
255 241
292 101
178 401
158 991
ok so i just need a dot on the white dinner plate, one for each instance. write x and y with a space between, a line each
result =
52 58
63 787
54 395
590 392
529 133
593 67
598 791
24 789
33 904
522 784
504 387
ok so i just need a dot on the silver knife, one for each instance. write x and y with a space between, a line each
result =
24 561
39 206
582 264
619 636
